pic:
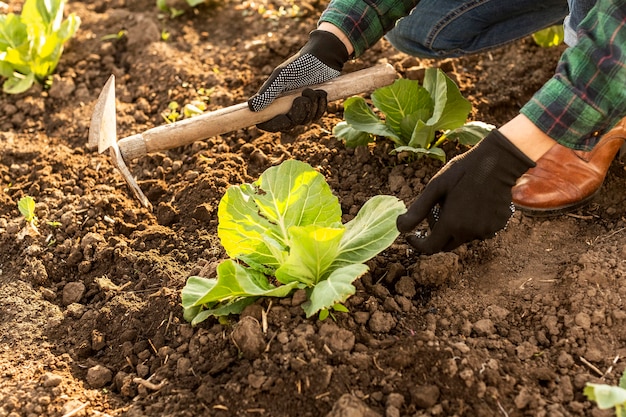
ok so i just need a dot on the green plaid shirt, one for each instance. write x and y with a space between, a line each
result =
587 94
585 97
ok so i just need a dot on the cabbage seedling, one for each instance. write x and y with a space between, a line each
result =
417 119
26 206
284 232
608 396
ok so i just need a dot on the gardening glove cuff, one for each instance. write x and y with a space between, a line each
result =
320 60
470 198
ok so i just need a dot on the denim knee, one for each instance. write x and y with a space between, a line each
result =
453 28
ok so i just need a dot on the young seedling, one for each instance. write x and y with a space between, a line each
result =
173 112
173 11
417 119
26 206
31 44
608 396
284 232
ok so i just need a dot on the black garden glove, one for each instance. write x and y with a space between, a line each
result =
307 108
320 60
470 198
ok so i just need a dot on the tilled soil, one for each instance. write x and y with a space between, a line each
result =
90 315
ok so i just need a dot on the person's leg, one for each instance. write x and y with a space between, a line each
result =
565 179
578 11
452 28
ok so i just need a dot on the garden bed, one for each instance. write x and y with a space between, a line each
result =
90 314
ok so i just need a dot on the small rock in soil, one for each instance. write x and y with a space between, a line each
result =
381 322
350 406
336 338
406 287
438 269
248 337
50 380
73 292
484 327
98 376
425 396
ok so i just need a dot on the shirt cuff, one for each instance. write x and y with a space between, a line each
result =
559 112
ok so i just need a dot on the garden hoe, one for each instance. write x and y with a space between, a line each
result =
103 128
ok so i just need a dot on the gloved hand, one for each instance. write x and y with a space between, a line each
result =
470 198
310 106
320 60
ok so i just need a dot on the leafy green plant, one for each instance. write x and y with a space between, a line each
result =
417 119
174 113
173 11
26 206
608 396
284 232
31 44
549 37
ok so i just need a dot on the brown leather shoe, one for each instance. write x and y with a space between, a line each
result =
565 179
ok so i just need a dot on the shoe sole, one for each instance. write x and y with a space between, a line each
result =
557 211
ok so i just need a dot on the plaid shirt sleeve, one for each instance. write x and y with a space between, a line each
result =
366 21
587 95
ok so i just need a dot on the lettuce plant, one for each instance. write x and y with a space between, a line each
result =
608 396
284 232
418 119
31 44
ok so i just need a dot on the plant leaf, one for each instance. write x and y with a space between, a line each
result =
18 83
606 396
361 117
371 231
26 206
352 137
242 231
436 153
335 289
470 133
12 31
422 136
233 281
234 307
400 99
294 194
291 194
407 126
313 250
451 108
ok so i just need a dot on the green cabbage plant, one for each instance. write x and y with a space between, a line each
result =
417 119
31 44
284 232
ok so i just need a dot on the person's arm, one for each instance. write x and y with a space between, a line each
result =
365 22
329 27
527 137
586 96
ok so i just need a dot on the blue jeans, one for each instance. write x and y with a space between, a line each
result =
578 11
453 28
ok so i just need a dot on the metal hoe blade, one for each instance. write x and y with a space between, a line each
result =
103 134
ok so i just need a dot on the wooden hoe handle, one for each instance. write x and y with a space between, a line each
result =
239 116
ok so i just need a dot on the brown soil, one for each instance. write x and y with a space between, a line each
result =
90 315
